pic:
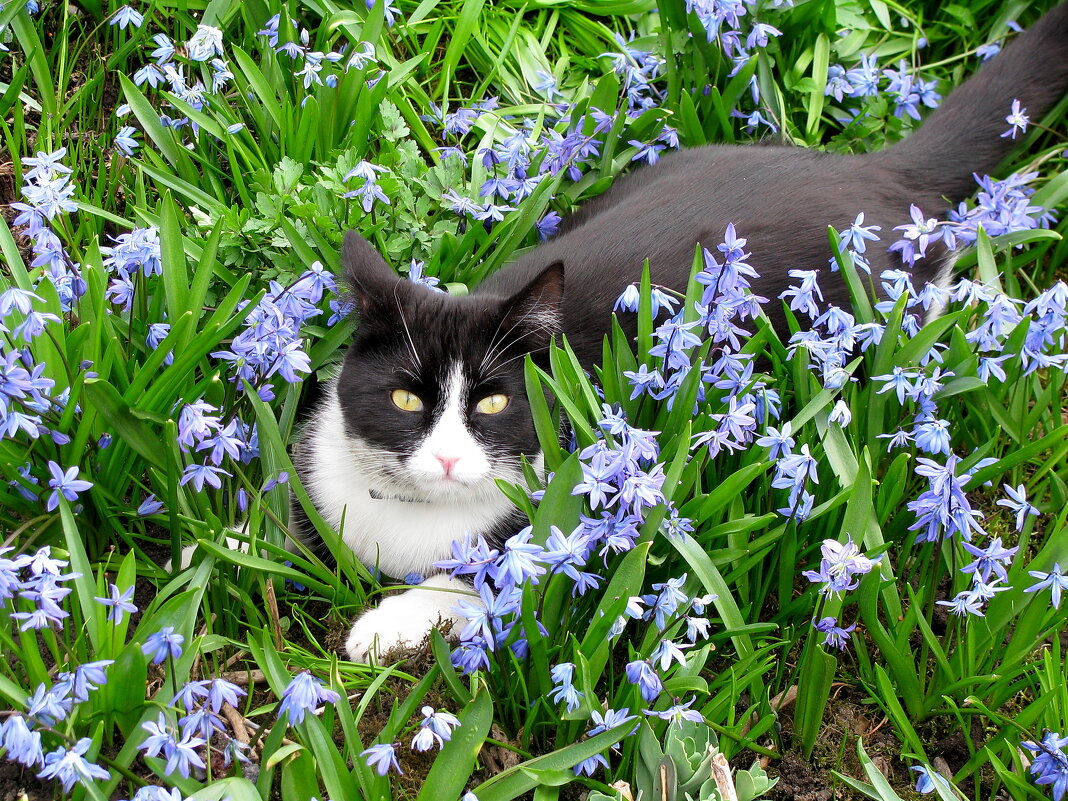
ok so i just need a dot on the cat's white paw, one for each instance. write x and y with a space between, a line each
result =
407 618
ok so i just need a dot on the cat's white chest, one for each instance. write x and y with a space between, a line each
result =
384 528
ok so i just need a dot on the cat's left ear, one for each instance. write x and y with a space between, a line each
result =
372 280
535 309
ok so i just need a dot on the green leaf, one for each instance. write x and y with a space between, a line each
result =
524 777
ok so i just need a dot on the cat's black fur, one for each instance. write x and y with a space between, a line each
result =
782 199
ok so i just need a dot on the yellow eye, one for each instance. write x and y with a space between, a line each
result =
406 401
492 404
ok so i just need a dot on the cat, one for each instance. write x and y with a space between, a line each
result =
429 407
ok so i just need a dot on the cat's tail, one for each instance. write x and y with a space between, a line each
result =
964 135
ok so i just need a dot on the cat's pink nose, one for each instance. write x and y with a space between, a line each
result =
447 462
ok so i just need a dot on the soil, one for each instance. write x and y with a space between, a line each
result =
19 784
846 720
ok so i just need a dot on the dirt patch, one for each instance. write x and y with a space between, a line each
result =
845 720
20 784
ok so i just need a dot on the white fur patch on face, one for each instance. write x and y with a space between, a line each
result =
450 454
344 475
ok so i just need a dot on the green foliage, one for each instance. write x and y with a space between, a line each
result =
258 194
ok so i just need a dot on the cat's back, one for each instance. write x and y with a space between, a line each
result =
779 198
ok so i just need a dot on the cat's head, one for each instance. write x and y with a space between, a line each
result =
432 389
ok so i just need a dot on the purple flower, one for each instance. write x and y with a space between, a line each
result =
163 644
304 694
1017 119
66 483
382 757
563 688
836 636
70 767
641 672
1017 503
1055 580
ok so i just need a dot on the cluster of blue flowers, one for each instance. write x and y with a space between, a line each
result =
1050 765
907 90
730 23
31 595
200 726
27 403
38 581
271 342
1001 207
435 729
315 65
622 481
130 255
170 63
200 429
49 193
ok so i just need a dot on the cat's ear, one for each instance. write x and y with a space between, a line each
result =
535 309
371 279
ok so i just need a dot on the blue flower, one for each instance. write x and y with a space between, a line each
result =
640 672
836 636
205 43
547 225
49 705
149 506
65 482
119 603
21 744
182 756
304 694
89 677
678 713
163 644
125 15
435 727
382 757
125 142
1017 503
993 559
589 766
518 562
1050 765
965 603
1055 580
201 474
927 780
472 557
1017 119
70 767
563 688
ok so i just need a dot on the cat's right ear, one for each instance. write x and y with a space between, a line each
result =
535 309
372 281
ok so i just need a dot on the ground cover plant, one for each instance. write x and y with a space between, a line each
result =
835 570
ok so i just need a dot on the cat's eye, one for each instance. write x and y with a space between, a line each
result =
492 404
406 401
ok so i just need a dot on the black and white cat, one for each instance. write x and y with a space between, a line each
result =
429 407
